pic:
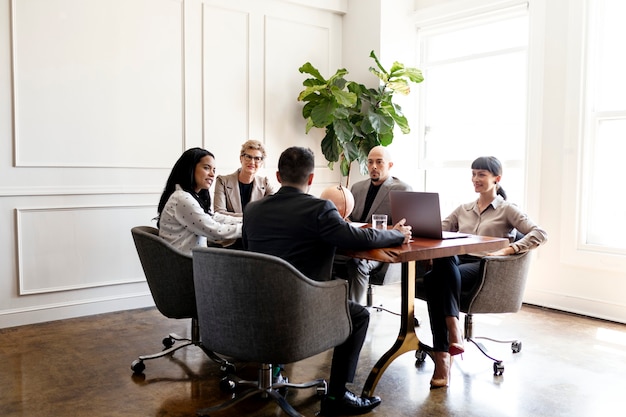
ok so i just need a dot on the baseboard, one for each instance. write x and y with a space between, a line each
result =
88 307
577 305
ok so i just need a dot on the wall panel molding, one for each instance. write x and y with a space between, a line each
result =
97 83
31 191
70 248
74 303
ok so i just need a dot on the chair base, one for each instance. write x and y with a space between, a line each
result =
138 365
498 367
264 387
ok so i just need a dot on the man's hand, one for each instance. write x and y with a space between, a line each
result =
406 230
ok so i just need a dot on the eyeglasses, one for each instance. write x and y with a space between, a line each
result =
256 159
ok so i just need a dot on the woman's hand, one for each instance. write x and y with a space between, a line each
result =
502 252
406 230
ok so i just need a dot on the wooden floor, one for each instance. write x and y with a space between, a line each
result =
569 366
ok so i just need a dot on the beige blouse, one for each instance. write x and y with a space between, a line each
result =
499 219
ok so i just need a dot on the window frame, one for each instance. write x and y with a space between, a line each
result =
454 20
581 135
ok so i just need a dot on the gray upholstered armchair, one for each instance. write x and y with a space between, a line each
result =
258 308
169 274
500 289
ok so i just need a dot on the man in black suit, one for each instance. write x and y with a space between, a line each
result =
305 231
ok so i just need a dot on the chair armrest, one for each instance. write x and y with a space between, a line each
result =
501 285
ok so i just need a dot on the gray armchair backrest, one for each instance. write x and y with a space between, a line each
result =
258 308
501 285
169 273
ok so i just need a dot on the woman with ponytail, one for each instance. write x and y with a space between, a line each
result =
489 215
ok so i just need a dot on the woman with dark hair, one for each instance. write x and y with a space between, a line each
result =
489 215
185 219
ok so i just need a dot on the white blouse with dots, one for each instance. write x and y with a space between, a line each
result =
185 225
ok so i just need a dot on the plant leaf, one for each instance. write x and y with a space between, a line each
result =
309 125
338 78
344 130
400 86
345 167
314 89
309 82
395 111
344 98
381 75
373 55
311 101
342 113
322 113
356 88
363 167
306 110
395 69
386 138
350 151
330 146
381 121
366 126
413 74
310 69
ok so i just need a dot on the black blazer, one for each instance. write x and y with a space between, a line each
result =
305 231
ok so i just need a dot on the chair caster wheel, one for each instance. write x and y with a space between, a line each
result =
168 342
227 368
516 346
227 384
137 366
321 390
498 368
420 356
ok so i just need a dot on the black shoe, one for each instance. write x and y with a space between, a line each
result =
349 404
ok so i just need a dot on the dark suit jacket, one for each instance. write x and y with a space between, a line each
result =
305 231
381 203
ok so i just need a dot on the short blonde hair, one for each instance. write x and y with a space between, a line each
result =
252 144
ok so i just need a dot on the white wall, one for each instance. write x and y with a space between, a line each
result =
99 98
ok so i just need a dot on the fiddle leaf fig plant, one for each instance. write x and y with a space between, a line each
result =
356 118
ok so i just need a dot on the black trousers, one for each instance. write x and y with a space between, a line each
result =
346 355
444 284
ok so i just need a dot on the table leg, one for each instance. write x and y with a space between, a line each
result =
407 339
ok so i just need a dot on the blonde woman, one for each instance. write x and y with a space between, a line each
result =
234 191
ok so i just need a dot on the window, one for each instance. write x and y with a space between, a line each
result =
603 216
473 102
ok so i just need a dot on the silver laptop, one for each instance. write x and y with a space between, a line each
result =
422 212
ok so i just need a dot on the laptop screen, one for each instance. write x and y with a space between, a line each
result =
422 212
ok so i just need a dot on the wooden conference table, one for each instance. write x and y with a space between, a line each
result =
418 249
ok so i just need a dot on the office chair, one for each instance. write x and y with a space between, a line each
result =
388 274
169 274
258 308
500 289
